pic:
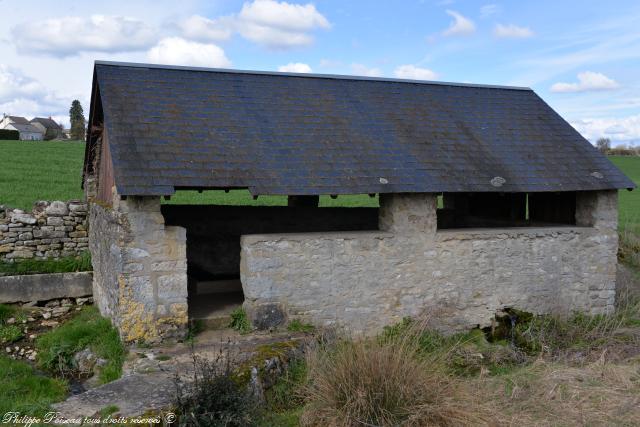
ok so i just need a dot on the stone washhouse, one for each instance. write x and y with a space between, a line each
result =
488 200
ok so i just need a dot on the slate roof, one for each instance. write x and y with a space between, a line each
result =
19 120
282 133
26 128
47 123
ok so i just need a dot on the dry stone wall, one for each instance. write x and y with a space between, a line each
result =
51 230
363 281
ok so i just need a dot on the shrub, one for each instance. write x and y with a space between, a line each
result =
8 134
57 347
384 382
213 396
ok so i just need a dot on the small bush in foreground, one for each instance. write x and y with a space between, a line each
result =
70 264
384 382
57 347
214 397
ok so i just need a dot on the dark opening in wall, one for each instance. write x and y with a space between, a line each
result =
213 244
484 210
213 232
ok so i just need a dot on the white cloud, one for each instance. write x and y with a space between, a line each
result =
624 129
488 10
295 67
587 81
200 28
279 25
73 34
363 70
178 51
22 95
615 130
512 31
413 72
14 84
460 25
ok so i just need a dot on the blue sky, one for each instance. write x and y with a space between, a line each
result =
582 57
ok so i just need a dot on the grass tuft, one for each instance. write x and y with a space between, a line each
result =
69 264
385 382
23 390
240 321
10 333
88 329
298 326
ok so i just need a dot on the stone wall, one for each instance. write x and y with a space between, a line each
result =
213 232
51 230
460 278
140 269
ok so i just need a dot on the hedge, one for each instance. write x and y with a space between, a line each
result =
9 134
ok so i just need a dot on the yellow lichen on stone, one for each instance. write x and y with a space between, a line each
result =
136 324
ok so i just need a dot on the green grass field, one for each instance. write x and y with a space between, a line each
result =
31 171
629 201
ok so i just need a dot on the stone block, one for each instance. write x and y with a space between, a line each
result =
23 218
55 220
172 287
266 315
80 208
25 236
56 208
22 253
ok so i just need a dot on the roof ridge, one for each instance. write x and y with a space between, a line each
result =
306 75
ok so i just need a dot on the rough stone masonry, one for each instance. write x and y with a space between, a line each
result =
363 281
51 230
139 269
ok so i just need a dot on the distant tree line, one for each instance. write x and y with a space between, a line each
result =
604 146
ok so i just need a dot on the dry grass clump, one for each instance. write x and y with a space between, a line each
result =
551 394
385 382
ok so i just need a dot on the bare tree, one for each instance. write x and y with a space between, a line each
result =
603 145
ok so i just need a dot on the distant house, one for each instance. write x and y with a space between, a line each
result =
28 132
49 128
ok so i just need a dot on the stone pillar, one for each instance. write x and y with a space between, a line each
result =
408 213
140 267
597 209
